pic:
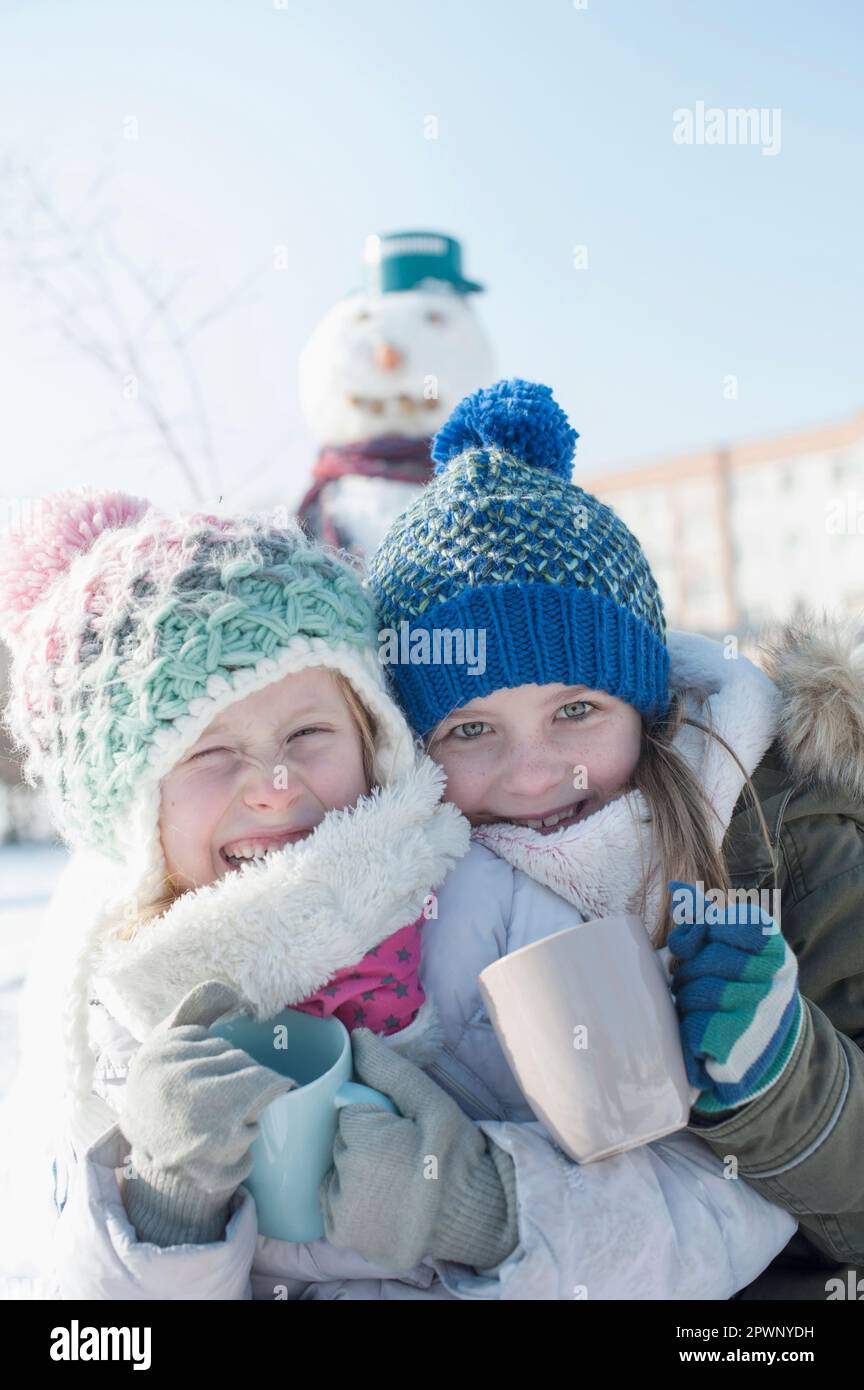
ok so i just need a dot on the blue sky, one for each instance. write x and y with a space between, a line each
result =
302 125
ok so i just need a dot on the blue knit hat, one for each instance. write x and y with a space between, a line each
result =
502 544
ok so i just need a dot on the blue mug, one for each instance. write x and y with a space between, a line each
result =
294 1149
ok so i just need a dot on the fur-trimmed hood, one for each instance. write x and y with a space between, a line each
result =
818 668
279 929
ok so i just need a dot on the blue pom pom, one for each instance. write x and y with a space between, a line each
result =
518 416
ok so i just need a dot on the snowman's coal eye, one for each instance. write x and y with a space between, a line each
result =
433 316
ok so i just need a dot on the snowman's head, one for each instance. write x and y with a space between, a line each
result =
395 363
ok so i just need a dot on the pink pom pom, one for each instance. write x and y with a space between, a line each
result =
65 525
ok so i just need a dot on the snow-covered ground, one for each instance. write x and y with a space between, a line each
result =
28 874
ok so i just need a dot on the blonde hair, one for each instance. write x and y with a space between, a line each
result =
679 811
169 890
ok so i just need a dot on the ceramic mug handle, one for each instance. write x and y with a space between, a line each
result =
355 1093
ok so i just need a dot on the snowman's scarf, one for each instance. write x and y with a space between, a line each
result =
393 457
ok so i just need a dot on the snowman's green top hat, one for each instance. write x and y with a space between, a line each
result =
402 260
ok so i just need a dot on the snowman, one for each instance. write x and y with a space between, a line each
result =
379 376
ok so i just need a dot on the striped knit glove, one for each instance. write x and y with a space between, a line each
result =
737 997
422 1183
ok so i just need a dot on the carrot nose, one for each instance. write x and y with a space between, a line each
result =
387 356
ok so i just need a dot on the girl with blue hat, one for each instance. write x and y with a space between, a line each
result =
631 768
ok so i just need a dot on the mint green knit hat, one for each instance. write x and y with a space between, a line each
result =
130 631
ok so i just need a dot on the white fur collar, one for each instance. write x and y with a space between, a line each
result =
598 864
818 666
279 930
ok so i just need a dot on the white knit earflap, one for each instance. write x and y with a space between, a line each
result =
78 1060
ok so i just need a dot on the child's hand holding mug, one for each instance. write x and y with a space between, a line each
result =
382 1199
736 992
190 1107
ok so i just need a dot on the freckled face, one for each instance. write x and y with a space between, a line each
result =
537 752
266 771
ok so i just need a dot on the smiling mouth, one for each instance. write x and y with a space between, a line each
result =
255 848
556 820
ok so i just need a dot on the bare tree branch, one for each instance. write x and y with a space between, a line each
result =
67 261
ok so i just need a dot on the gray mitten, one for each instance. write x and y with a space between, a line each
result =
425 1182
189 1112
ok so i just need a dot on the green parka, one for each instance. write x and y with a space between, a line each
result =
801 1144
